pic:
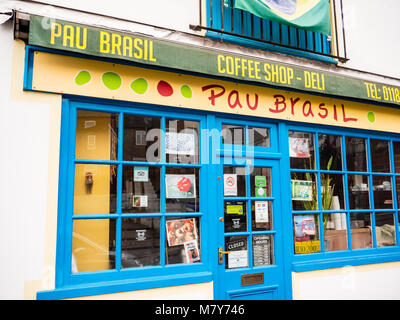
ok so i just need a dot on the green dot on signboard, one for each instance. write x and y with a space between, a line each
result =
139 85
186 91
111 80
82 78
371 117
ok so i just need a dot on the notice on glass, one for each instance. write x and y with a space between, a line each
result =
180 231
141 174
139 201
304 225
192 251
302 190
230 184
261 250
237 259
261 211
179 143
299 148
178 186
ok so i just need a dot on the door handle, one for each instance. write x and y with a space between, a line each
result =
221 253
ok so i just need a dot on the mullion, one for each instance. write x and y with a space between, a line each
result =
346 193
162 194
319 194
118 241
394 192
371 193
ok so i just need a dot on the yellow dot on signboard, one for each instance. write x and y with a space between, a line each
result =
186 91
139 85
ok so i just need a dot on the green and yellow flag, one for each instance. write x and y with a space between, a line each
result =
313 15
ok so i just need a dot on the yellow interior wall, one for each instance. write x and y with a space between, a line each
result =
91 237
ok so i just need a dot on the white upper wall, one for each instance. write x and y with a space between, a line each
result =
171 14
372 35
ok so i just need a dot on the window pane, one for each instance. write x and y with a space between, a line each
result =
182 240
301 150
382 192
306 234
260 182
182 193
182 141
332 197
398 191
356 156
96 135
380 160
233 134
235 213
361 230
396 156
330 152
261 215
385 231
358 191
95 190
335 231
140 242
93 245
140 189
304 194
141 138
238 256
263 250
234 181
259 137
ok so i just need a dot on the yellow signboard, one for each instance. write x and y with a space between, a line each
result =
92 78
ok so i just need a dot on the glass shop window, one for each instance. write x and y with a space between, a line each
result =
128 224
353 189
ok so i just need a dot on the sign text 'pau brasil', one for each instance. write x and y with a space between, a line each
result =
63 35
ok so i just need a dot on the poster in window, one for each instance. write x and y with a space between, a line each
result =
180 231
180 143
304 226
302 190
180 186
230 184
299 148
261 250
238 252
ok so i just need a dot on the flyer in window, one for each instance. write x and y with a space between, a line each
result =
230 184
192 251
304 225
302 190
180 231
180 143
180 186
299 148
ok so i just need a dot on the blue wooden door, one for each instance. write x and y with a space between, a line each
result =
249 213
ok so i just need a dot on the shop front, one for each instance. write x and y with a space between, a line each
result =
172 178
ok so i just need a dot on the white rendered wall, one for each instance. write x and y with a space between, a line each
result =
24 161
368 282
372 35
171 14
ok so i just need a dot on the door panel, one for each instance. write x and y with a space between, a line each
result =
249 239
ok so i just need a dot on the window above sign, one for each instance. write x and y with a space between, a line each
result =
261 25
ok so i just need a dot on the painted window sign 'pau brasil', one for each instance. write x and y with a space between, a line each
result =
57 34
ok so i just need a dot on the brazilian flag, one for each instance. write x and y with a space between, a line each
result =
313 15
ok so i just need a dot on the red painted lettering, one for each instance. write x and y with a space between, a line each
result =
277 103
293 102
309 111
321 107
252 107
344 116
334 112
213 96
236 101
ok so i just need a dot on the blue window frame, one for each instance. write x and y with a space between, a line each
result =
364 178
121 271
238 26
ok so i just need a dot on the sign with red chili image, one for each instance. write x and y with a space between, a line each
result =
180 186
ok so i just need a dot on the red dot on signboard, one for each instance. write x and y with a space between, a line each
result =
164 88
